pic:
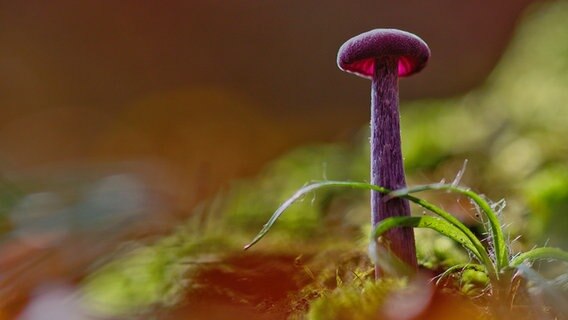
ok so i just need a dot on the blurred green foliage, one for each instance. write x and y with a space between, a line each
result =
513 130
151 276
547 194
132 284
249 203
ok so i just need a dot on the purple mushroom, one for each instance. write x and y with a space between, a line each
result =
383 55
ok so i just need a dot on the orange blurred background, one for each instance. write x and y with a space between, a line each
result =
210 90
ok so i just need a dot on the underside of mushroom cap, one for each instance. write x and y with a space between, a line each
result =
358 54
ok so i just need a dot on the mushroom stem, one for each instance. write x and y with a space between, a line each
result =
386 159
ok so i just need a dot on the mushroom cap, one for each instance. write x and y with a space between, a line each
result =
358 54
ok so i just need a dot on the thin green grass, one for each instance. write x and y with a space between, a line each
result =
444 223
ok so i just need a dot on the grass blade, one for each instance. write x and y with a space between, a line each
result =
483 255
443 227
540 254
499 244
302 192
480 249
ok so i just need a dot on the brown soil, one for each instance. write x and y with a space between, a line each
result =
243 286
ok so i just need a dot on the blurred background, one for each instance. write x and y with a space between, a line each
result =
208 90
118 119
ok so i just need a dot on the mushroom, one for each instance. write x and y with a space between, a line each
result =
383 55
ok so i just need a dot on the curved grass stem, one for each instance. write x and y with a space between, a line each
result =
497 237
483 254
539 254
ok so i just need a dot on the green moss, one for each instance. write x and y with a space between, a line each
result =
473 282
355 301
150 275
437 252
146 277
